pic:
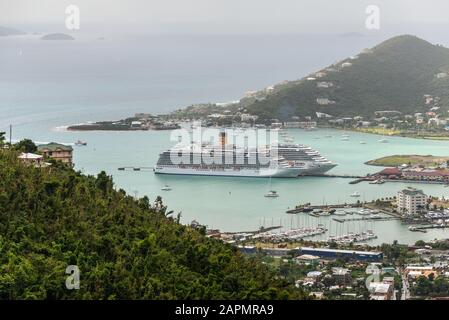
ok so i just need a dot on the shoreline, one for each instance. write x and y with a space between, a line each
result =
401 135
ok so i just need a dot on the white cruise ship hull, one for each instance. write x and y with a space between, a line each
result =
256 173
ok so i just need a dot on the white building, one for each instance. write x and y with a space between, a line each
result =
247 117
411 201
324 84
324 101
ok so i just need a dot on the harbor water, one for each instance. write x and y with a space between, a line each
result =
51 85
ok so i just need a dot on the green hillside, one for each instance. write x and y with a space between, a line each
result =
125 249
391 76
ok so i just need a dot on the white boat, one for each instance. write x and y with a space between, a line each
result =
355 194
364 212
288 139
362 142
166 188
340 213
383 140
285 160
344 139
80 143
271 194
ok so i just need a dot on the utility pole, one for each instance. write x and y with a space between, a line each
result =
10 135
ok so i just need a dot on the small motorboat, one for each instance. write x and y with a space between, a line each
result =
80 143
271 194
383 141
355 194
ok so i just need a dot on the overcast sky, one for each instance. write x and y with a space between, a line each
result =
225 16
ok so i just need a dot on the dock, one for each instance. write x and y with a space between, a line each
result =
326 175
300 209
261 230
135 169
375 218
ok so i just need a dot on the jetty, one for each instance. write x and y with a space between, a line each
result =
135 169
306 208
375 218
327 175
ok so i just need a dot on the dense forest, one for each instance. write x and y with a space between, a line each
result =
391 76
125 248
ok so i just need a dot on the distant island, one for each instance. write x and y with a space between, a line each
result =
57 36
409 160
10 32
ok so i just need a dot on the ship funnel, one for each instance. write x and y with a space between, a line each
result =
223 138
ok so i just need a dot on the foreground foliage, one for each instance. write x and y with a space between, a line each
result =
125 248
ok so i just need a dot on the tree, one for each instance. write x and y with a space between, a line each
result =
124 247
420 243
2 138
26 145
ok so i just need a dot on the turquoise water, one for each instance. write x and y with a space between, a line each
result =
238 204
44 85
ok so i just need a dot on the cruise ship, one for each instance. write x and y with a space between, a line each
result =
278 160
244 163
309 161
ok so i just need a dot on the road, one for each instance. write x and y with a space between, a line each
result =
405 288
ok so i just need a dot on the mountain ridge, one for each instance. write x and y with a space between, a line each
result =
394 74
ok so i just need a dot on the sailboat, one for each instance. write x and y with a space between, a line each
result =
272 193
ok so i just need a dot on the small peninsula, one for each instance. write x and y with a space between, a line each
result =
140 121
410 160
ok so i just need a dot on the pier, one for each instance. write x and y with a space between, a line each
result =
375 218
300 209
326 175
135 169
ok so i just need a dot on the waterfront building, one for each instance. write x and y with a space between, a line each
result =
31 158
426 174
411 201
307 259
300 124
390 173
57 151
414 272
